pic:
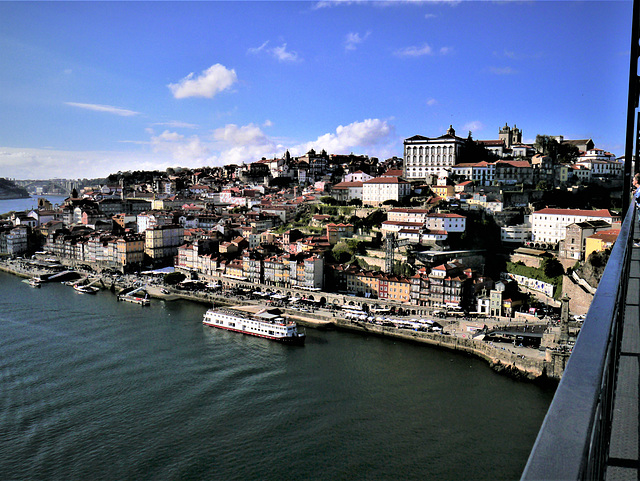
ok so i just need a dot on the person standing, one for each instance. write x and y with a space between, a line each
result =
636 198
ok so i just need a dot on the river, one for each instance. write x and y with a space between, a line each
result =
27 203
91 388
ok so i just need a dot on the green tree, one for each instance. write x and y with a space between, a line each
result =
342 253
174 278
327 199
561 152
552 267
472 151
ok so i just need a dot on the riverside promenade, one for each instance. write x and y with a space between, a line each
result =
522 363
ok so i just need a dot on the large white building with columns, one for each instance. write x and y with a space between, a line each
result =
424 156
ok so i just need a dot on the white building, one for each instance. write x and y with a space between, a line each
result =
402 214
147 220
549 225
516 234
358 176
380 189
346 191
481 173
424 156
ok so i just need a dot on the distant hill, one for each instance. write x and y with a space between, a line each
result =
9 190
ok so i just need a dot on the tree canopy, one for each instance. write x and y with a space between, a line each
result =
472 151
562 152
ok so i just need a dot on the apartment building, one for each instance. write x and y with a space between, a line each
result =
380 189
549 225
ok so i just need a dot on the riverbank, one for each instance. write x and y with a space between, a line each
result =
525 364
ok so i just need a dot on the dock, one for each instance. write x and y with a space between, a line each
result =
135 296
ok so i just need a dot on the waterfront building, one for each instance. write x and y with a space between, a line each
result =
130 251
252 267
14 240
162 242
447 285
420 288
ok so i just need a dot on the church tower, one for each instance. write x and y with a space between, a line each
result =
510 136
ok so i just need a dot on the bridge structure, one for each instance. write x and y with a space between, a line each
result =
592 428
50 186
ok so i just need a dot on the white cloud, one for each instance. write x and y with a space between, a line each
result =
502 70
354 39
247 135
212 81
182 149
279 53
27 163
473 126
414 51
283 56
382 3
432 102
174 124
419 51
368 133
430 15
229 144
259 49
104 108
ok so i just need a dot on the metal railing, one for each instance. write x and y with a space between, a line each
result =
574 438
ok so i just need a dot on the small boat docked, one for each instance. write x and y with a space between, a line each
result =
267 324
85 289
35 282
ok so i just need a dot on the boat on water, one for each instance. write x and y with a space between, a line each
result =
34 282
85 289
267 323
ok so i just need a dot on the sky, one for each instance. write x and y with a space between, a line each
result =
93 88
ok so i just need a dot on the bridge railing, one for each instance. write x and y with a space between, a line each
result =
573 440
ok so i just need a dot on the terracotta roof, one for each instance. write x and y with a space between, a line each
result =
575 212
346 185
386 180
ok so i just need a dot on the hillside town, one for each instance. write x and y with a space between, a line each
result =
490 227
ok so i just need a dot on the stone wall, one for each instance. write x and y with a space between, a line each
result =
580 299
500 359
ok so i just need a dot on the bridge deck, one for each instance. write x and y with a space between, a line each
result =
624 446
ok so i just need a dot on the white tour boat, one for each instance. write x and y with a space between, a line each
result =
266 323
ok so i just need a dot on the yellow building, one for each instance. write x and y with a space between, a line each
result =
600 241
444 191
399 289
130 250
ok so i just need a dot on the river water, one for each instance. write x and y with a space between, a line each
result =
91 388
18 205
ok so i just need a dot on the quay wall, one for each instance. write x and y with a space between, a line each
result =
499 359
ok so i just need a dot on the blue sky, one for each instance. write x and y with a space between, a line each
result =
89 88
